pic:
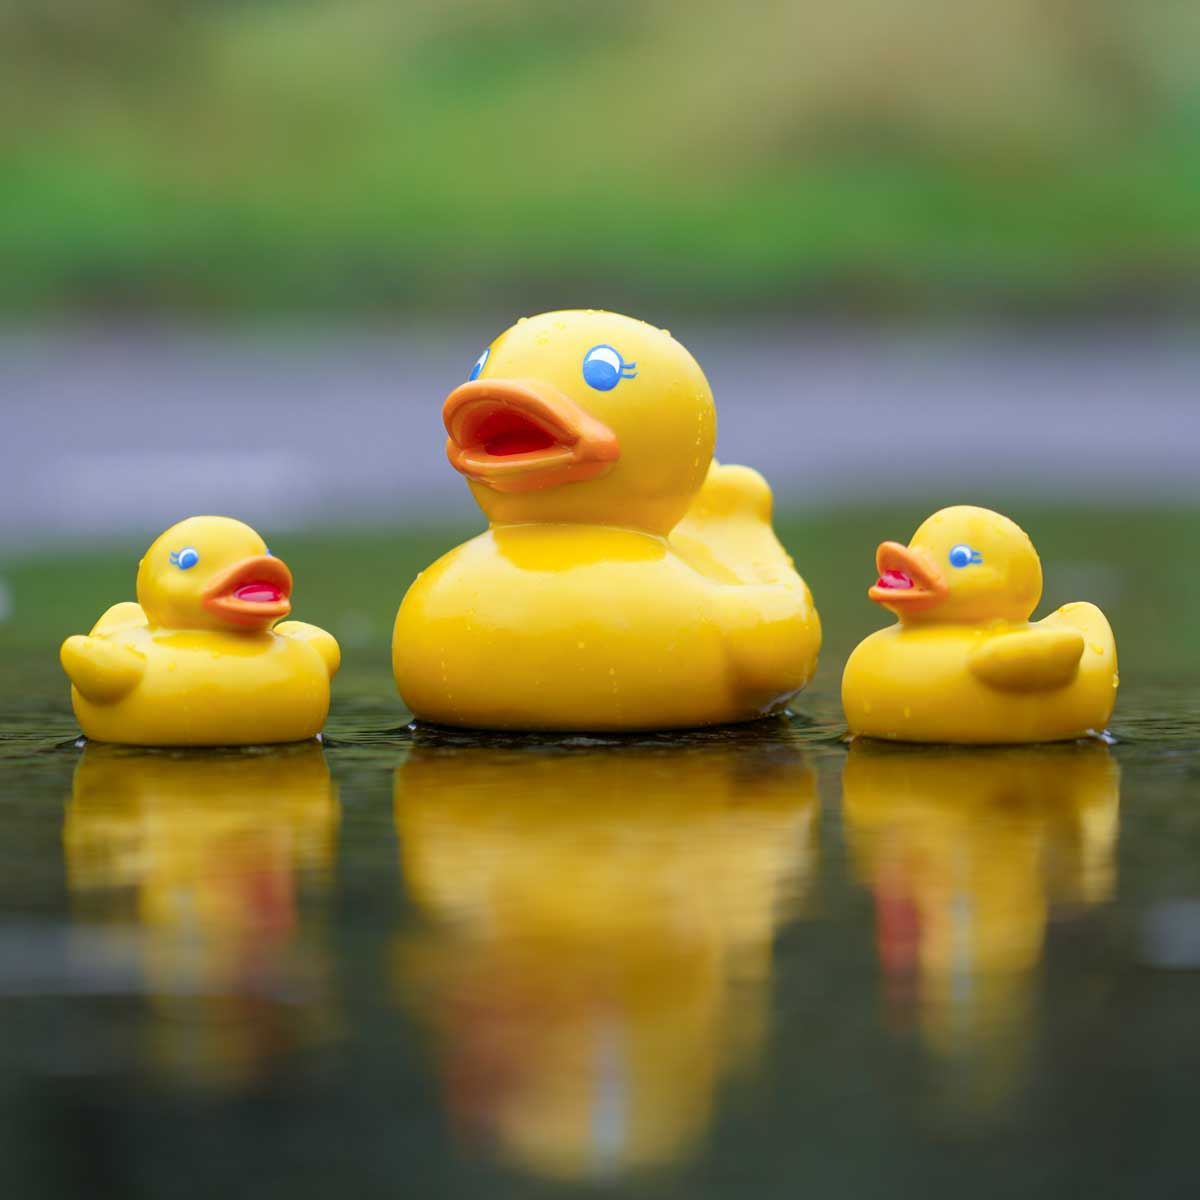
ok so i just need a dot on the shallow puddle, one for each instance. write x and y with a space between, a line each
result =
747 959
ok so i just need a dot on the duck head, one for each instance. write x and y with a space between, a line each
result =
213 573
583 416
963 564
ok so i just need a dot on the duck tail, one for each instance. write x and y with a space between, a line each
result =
1089 621
727 534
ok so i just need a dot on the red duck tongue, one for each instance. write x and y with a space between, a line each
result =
259 593
895 581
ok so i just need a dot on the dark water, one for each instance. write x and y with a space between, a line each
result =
746 962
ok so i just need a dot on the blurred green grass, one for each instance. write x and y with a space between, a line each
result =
311 155
351 582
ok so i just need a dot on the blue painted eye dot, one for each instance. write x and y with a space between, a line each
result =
186 558
963 556
479 365
604 368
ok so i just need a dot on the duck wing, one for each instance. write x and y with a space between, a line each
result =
1032 660
102 670
325 644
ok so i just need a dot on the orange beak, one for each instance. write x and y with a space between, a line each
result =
255 592
908 581
518 435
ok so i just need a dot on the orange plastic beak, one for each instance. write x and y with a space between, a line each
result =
518 435
254 592
908 581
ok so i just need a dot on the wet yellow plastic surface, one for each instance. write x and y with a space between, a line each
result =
172 670
652 594
964 663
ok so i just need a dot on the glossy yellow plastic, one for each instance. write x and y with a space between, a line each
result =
964 663
596 957
627 580
968 854
199 660
204 856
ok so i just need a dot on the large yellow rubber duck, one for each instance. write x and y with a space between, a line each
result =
969 854
627 581
199 659
596 957
218 861
964 663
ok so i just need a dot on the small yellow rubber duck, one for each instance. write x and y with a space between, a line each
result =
627 581
196 661
964 663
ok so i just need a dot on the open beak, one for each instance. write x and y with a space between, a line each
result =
908 581
252 593
518 435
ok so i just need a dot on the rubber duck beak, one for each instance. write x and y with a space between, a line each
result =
255 592
908 581
519 435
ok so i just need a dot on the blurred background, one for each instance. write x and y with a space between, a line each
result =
926 252
233 157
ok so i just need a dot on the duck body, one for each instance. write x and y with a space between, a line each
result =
964 664
201 688
217 671
926 684
584 627
626 581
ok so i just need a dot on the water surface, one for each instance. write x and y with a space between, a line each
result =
432 963
741 962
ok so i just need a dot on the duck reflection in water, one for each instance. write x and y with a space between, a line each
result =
969 853
598 949
207 853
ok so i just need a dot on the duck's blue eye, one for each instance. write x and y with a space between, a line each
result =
186 558
963 556
604 368
479 364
